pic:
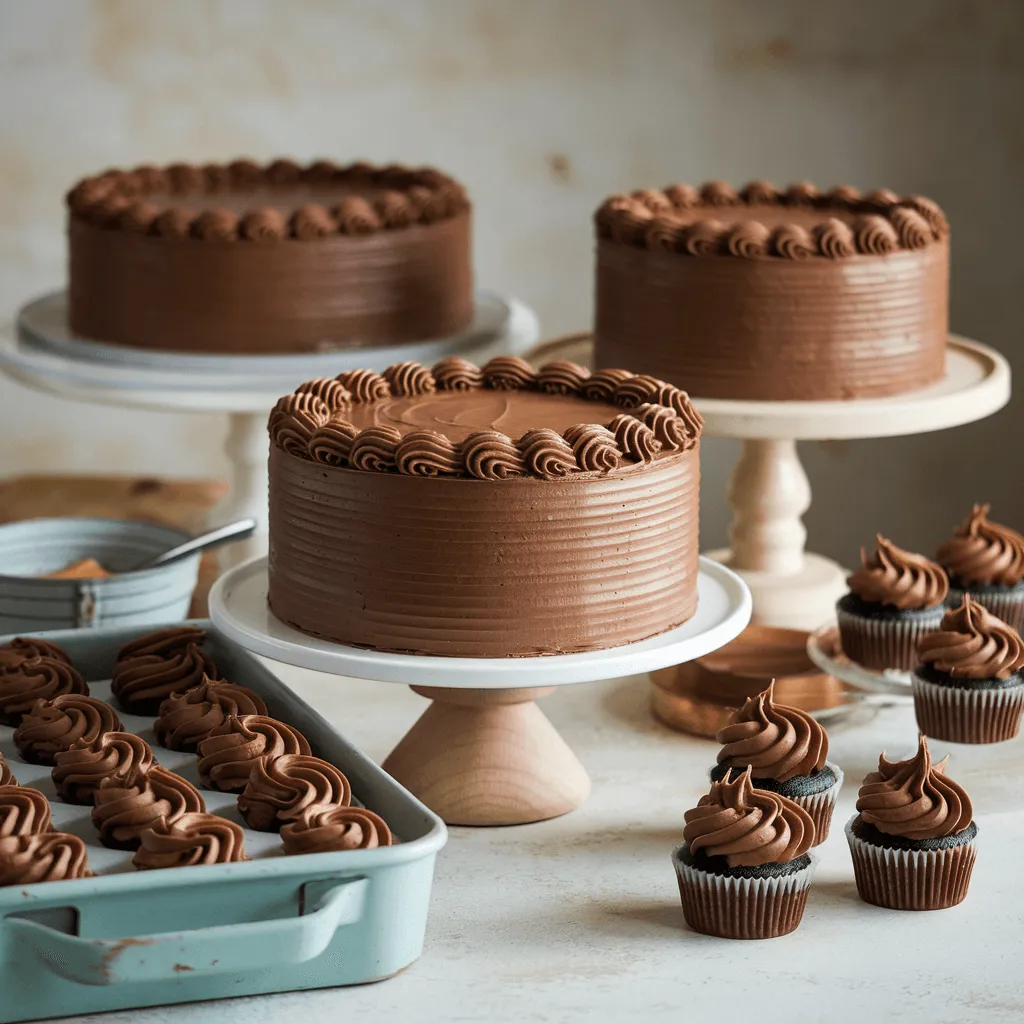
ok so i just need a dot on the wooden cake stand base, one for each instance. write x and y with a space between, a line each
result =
482 753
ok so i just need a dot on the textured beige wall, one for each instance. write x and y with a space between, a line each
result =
542 107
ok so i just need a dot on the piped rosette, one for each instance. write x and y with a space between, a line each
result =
335 830
191 840
25 682
53 726
227 755
23 812
79 770
42 857
187 718
283 789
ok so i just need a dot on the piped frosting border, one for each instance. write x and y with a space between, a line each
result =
883 223
118 200
656 419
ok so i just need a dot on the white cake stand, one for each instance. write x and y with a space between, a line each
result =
769 491
42 353
483 753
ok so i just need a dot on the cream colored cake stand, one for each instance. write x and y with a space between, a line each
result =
482 753
769 491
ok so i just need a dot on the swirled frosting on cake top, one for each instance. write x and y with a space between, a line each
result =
124 808
747 826
897 578
190 841
42 857
186 718
79 770
971 643
227 754
55 725
283 789
23 811
776 741
496 422
24 647
334 829
914 799
34 679
983 552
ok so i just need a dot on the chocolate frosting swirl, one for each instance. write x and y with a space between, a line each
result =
80 769
914 799
365 385
331 444
55 725
491 455
932 213
227 755
374 449
912 229
174 222
759 193
187 718
800 193
24 683
775 741
636 390
23 811
983 552
283 789
21 648
669 428
264 224
330 391
601 385
561 377
665 232
395 210
295 419
124 808
142 683
138 218
972 643
547 454
47 857
718 193
704 238
457 374
898 578
310 222
165 643
335 829
747 826
355 216
427 453
190 841
875 235
409 378
216 226
792 242
595 447
682 196
508 373
880 199
6 775
835 239
747 239
635 439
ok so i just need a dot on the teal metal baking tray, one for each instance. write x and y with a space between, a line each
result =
127 939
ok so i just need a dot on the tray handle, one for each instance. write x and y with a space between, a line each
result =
220 949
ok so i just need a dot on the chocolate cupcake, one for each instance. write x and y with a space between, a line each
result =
187 718
190 841
55 725
986 560
785 751
895 598
34 679
913 839
79 770
42 857
283 789
968 687
743 869
335 829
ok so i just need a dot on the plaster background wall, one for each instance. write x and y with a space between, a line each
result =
542 107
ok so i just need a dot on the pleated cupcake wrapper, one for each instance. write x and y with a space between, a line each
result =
820 805
742 908
884 643
910 879
1007 606
962 715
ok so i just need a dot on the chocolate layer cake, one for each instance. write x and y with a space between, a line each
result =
778 295
241 258
484 513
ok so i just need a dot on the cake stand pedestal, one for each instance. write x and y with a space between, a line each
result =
769 491
42 353
482 753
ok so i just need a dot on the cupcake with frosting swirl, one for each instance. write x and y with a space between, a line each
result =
786 752
913 836
895 598
986 560
968 686
744 868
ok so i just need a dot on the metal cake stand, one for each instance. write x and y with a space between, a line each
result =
482 753
41 352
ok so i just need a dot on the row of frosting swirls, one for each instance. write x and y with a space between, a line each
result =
971 643
898 578
983 552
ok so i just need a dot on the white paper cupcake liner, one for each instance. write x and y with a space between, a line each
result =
910 879
820 805
1008 606
742 908
960 714
885 643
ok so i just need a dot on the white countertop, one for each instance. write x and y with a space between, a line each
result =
578 919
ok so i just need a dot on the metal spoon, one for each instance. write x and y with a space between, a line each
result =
211 539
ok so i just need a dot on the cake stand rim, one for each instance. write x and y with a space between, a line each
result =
249 625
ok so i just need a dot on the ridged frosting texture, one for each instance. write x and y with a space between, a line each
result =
79 770
776 741
172 661
748 827
6 775
283 789
914 799
23 811
124 808
334 830
55 725
228 753
971 643
187 718
42 857
898 578
24 647
24 683
983 552
190 841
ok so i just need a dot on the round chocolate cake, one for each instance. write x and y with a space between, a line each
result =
242 258
490 512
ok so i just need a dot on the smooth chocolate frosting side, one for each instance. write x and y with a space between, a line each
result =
278 296
772 328
983 552
42 857
484 568
971 643
898 578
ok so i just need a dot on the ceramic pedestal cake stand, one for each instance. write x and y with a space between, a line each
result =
769 491
483 753
42 353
